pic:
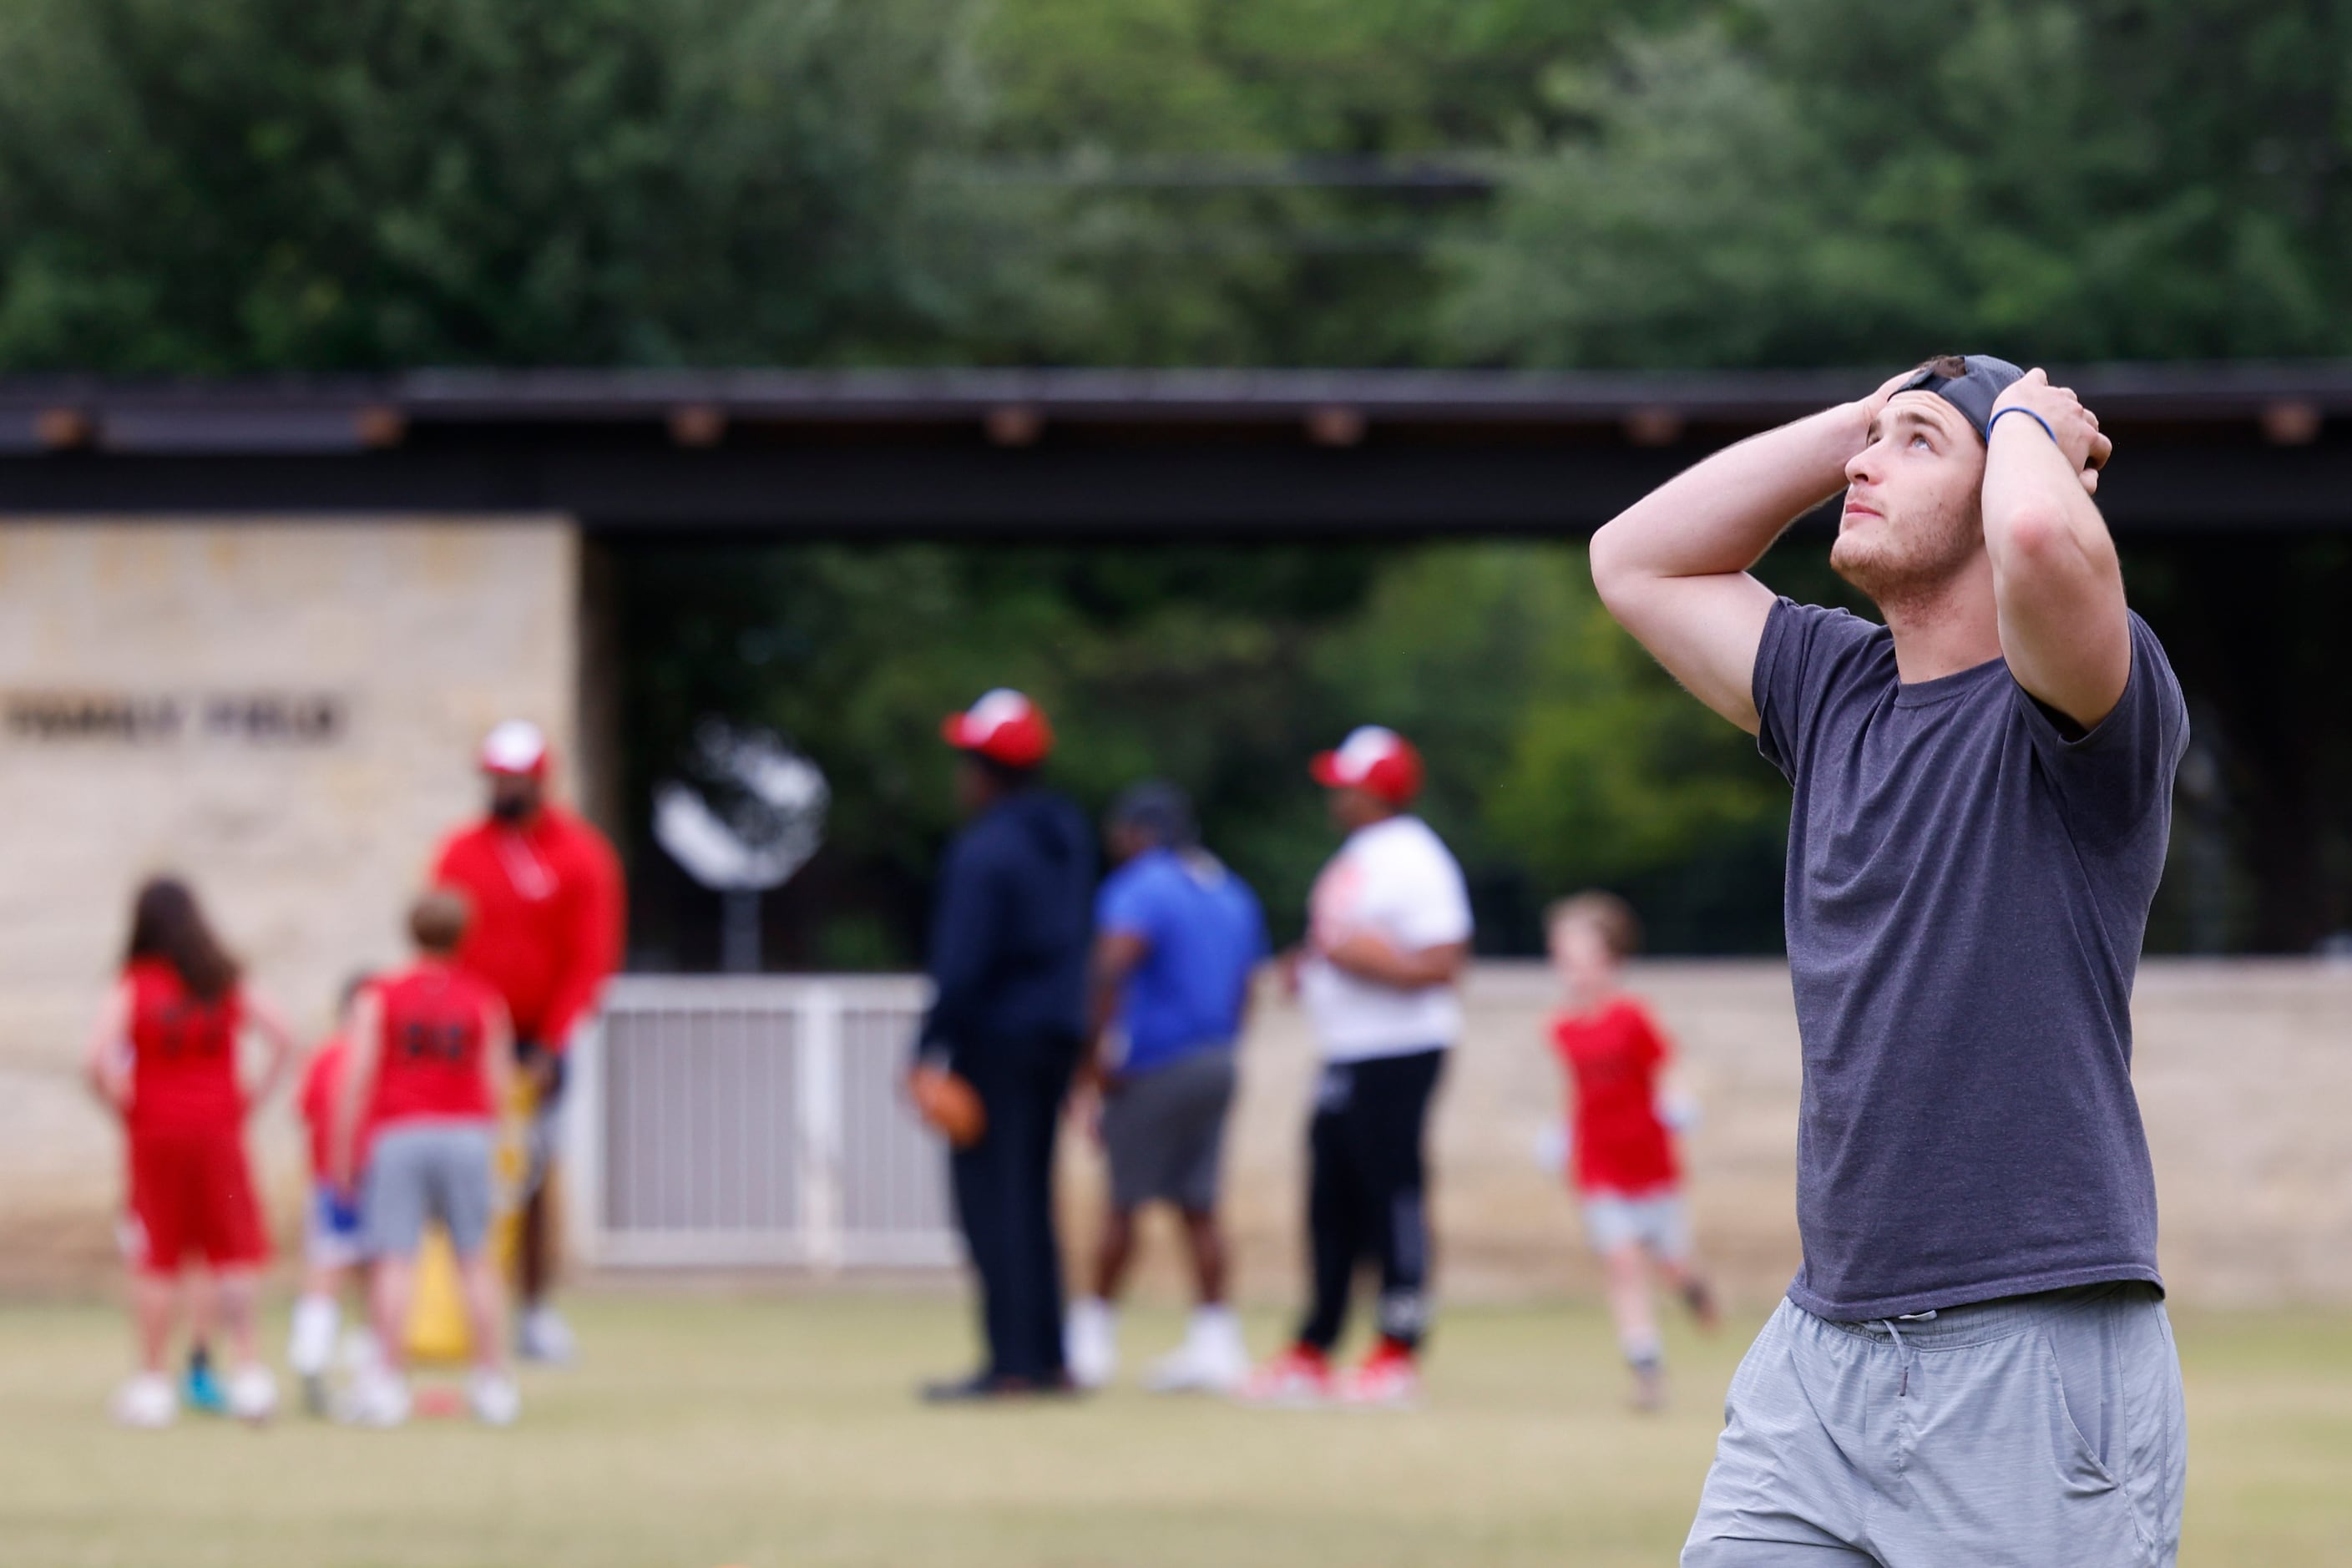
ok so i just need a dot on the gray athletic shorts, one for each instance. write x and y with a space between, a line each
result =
2032 1431
437 1170
1661 1223
1165 1133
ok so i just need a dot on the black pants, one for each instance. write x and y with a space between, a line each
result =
1366 1198
1004 1201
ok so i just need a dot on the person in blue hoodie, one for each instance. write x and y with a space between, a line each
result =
1010 938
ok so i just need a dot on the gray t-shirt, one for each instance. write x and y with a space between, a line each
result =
1968 890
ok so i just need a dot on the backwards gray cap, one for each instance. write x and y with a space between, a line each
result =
1159 810
1981 380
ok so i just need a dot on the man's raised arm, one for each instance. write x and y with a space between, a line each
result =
1673 567
2056 581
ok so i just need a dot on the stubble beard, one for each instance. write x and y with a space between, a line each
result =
1907 563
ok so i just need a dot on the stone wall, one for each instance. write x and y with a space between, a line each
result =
286 712
2243 1070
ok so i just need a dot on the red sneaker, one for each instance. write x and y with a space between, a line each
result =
1296 1378
1388 1379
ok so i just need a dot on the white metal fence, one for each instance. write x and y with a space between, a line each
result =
734 1120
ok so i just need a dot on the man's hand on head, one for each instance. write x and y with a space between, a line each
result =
1676 567
1869 408
2075 427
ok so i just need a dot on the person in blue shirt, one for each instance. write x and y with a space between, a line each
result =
1008 966
1178 938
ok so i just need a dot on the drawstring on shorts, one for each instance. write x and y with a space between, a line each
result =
1902 1349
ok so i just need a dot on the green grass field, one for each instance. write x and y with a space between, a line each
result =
703 1431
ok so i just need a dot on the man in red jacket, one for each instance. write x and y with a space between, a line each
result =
547 929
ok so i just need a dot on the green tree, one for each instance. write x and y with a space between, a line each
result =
1192 173
1793 182
264 185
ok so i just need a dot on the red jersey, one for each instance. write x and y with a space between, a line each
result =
1612 1057
547 916
323 1092
183 1054
429 1061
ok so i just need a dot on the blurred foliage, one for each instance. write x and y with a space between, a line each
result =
1790 181
1237 181
256 184
265 184
1558 755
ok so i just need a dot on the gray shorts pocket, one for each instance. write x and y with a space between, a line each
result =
2119 1387
2078 1455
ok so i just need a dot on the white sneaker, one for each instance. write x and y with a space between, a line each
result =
253 1394
1090 1343
378 1399
311 1347
542 1335
148 1401
1212 1360
495 1398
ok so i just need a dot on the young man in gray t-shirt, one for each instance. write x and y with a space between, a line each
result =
1973 1363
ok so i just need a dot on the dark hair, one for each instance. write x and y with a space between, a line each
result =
1619 926
437 920
166 925
1159 811
1952 367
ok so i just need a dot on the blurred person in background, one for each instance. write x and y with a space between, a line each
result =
164 1057
331 1218
546 930
1008 966
1624 1171
1388 934
1973 1363
1178 937
431 1057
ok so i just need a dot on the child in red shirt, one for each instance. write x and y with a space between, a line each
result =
432 1059
1623 1154
331 1228
164 1057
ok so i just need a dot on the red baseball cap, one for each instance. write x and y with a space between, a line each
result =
516 747
1373 759
1004 726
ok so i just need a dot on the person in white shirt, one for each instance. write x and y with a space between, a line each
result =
1388 931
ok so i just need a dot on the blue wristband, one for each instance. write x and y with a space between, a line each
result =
2020 409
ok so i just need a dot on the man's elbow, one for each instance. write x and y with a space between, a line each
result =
1614 573
2032 541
